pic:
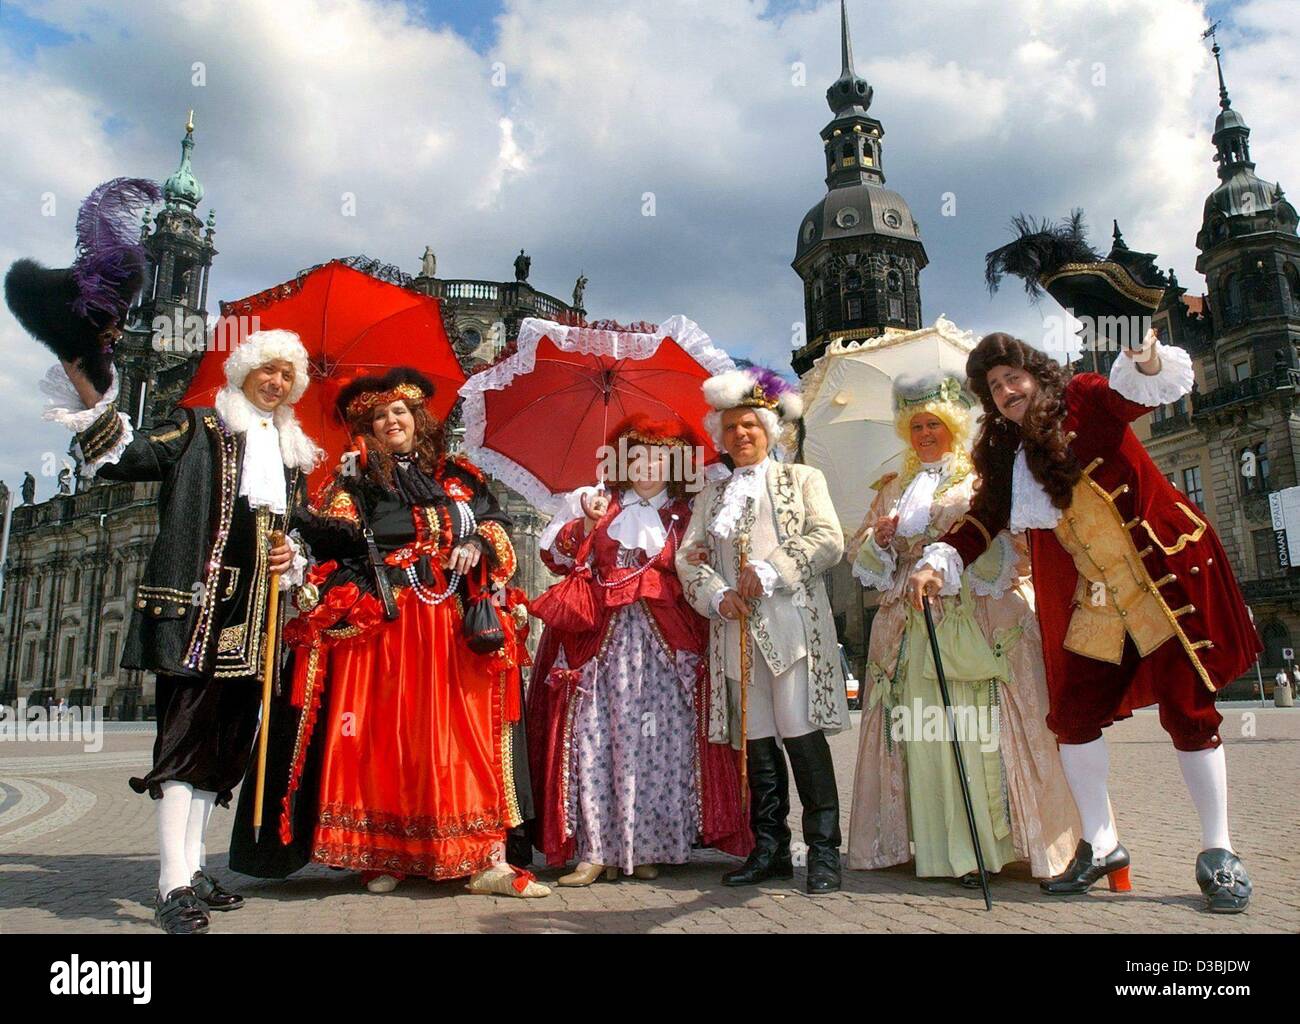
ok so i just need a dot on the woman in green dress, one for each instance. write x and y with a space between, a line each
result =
906 790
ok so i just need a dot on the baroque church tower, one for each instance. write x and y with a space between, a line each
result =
1250 256
167 330
859 250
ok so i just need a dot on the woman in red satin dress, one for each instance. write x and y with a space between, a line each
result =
415 771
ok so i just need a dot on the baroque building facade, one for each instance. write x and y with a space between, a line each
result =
74 560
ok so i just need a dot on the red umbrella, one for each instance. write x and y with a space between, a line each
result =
351 324
537 419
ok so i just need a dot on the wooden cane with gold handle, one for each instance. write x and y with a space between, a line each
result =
268 677
742 544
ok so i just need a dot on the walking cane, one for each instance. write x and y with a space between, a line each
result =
956 752
268 676
742 543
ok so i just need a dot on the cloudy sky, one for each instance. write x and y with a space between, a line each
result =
482 126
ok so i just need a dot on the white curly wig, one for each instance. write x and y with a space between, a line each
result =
258 349
239 414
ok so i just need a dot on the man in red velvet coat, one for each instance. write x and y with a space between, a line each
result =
1135 597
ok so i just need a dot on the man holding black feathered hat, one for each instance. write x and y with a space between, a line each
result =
231 476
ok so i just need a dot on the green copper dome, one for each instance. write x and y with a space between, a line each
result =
182 187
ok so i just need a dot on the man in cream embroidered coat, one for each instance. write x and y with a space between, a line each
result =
781 515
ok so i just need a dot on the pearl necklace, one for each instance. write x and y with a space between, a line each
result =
672 533
425 594
422 592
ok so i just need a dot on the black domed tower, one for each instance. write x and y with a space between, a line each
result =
859 250
1250 254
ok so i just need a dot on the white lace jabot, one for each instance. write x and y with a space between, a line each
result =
638 524
262 478
1031 508
914 505
746 483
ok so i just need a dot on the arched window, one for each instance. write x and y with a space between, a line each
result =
846 152
1275 637
1252 463
852 281
1293 281
74 585
1230 298
116 590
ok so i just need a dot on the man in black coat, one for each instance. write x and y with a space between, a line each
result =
231 477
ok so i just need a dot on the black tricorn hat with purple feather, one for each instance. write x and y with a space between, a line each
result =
78 311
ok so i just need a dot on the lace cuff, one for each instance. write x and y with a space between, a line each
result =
944 559
997 569
766 576
103 432
1174 380
875 566
297 571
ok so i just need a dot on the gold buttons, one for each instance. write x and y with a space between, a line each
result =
1196 569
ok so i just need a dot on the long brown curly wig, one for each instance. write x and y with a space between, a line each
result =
1047 451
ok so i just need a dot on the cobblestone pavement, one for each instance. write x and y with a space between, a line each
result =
77 854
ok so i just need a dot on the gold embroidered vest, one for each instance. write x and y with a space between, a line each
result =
1114 595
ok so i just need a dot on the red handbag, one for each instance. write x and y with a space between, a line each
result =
572 605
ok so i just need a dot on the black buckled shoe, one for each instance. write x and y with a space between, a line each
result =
1083 874
814 777
180 913
212 894
1223 881
769 806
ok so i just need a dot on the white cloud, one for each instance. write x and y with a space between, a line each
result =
1049 105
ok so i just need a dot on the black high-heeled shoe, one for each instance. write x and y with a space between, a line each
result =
1223 881
1083 874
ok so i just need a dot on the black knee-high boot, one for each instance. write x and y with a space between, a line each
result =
769 807
814 778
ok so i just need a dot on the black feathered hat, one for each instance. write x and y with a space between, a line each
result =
1058 259
363 393
78 311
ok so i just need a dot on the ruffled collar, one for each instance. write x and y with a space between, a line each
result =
1031 507
914 505
638 523
746 484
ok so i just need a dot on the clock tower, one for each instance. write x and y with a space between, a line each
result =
859 250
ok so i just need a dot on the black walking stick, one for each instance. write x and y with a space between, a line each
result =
956 751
